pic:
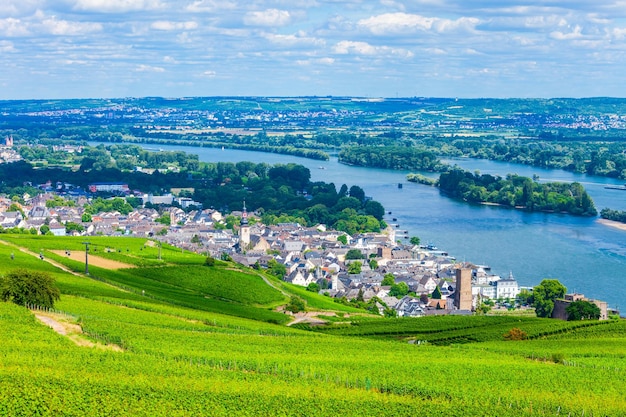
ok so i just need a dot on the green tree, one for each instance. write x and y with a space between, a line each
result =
296 304
276 268
373 264
164 219
436 295
388 279
73 227
313 287
483 308
343 239
414 240
582 310
545 294
399 290
354 254
525 297
355 267
26 287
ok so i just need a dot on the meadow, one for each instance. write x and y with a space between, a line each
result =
153 341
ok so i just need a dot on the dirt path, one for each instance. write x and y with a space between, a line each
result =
65 327
50 261
92 259
310 318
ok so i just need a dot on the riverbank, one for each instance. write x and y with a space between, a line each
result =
612 223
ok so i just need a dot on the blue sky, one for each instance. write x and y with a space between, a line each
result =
386 48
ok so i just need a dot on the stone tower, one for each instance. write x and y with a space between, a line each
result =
463 294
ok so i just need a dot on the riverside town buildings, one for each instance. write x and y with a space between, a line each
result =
437 283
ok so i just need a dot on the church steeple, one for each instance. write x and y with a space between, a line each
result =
244 215
244 230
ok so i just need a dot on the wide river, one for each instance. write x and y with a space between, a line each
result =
586 256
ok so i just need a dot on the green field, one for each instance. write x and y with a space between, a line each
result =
160 339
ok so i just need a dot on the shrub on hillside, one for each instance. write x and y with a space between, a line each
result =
515 334
26 287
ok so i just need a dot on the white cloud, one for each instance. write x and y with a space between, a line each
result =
116 6
299 39
209 74
364 48
619 33
398 23
66 28
204 6
352 47
6 46
148 68
169 26
269 17
19 7
576 33
317 61
13 27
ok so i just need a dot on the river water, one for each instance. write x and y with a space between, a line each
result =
585 255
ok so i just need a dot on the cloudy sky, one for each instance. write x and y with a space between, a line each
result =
385 48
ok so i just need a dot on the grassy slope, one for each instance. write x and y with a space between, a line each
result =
184 361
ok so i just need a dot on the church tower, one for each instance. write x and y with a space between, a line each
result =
244 230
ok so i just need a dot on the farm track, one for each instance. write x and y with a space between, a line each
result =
50 261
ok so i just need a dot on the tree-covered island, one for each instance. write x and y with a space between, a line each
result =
614 215
393 157
514 191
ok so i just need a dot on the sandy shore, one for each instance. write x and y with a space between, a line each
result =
617 225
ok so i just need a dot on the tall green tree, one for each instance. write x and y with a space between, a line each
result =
436 295
545 294
28 287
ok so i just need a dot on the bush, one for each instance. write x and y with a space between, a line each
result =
26 287
557 358
209 261
296 305
515 334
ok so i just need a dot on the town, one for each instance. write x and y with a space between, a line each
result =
398 279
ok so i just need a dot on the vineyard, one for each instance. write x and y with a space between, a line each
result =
183 340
